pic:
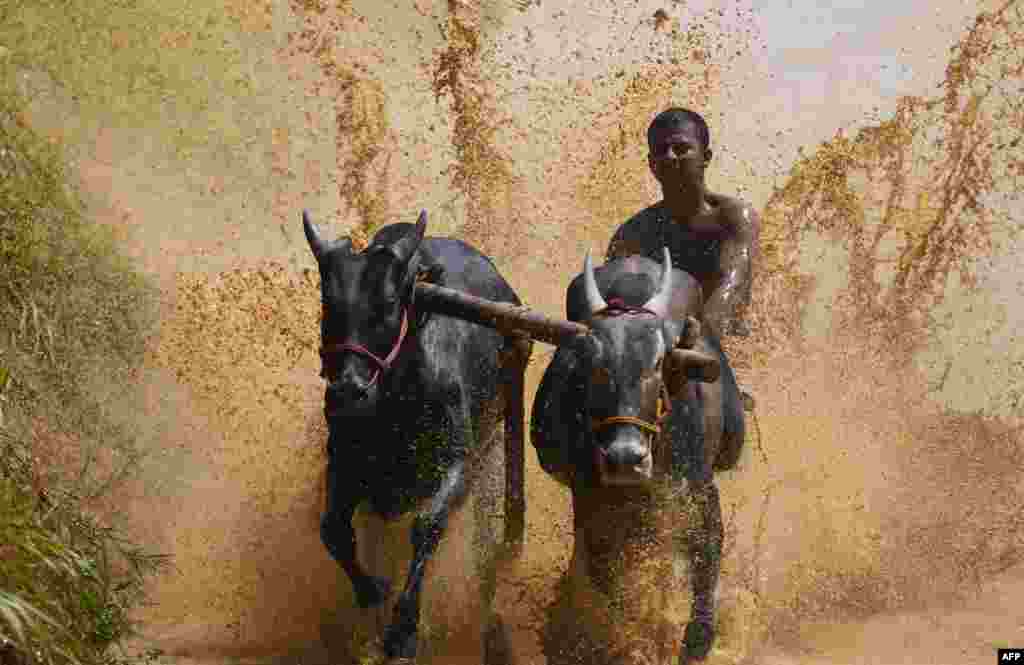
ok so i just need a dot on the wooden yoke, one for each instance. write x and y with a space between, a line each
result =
511 320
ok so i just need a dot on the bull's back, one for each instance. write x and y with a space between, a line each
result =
466 352
468 270
465 267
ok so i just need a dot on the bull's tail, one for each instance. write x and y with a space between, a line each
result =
517 357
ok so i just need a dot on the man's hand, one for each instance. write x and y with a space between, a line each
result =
739 328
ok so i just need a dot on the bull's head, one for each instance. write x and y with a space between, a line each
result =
633 364
365 297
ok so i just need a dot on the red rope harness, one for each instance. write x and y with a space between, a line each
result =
618 307
383 364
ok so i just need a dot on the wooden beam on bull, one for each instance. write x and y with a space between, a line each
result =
503 317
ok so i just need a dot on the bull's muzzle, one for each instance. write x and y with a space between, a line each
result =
626 462
351 396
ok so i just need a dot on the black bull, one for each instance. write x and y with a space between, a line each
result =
410 403
615 417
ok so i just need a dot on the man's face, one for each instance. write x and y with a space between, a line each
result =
677 158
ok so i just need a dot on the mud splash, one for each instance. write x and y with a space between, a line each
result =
688 74
923 190
240 344
482 171
364 141
911 201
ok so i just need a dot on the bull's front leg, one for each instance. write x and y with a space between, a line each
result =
705 549
338 536
400 638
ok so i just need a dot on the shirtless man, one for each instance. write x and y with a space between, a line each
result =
711 236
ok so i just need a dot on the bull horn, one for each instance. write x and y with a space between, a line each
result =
405 247
316 243
696 365
594 299
660 301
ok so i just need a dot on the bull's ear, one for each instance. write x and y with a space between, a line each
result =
405 247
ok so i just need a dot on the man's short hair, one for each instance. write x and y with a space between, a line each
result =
677 117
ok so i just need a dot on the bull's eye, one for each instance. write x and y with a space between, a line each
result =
600 376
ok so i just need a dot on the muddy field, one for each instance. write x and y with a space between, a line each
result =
876 514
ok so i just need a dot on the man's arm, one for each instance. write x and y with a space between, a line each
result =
726 307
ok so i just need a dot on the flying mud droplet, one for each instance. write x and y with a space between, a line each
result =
914 201
365 140
239 342
911 195
483 173
619 184
661 20
891 495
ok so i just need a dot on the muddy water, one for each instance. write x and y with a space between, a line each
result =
519 127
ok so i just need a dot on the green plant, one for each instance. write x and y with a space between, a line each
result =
67 582
74 316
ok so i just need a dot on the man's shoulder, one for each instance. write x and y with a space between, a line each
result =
730 205
736 213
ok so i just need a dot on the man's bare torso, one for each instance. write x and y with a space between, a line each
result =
695 247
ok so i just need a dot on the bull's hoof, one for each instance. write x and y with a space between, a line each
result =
372 591
697 641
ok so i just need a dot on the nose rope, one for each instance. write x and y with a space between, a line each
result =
625 420
383 364
661 411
